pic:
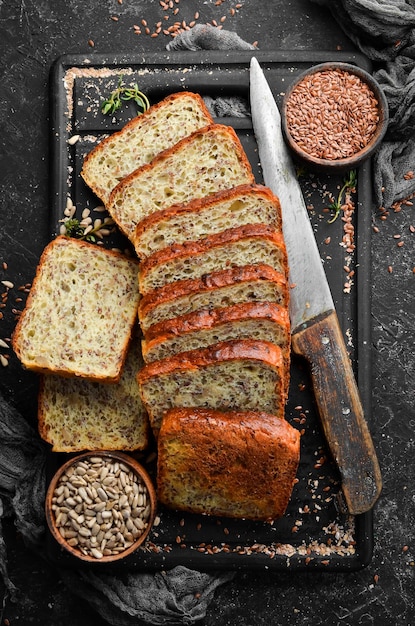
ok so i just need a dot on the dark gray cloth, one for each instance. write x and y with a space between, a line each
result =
208 37
178 596
384 30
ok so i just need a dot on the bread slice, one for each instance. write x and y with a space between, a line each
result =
138 142
75 414
264 321
231 375
244 204
236 464
203 163
80 312
256 283
245 245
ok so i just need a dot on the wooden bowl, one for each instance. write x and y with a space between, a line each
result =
96 495
334 116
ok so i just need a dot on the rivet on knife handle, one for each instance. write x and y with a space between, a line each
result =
341 412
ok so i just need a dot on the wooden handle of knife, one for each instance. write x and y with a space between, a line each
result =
341 412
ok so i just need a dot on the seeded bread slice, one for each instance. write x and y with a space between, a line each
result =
256 283
244 204
245 245
236 464
80 312
162 126
231 375
75 414
265 321
203 163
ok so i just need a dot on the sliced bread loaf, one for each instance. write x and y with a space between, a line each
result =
80 312
256 283
236 464
263 321
245 245
76 414
203 163
162 126
231 375
244 204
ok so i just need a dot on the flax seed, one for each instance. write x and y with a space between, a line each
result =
344 107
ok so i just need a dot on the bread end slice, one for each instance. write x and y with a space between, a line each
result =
235 464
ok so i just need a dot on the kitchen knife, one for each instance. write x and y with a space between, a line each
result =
316 333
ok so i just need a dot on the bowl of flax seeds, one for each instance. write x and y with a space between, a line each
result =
334 115
100 506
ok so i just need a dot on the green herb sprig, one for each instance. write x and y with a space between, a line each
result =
350 183
75 228
124 94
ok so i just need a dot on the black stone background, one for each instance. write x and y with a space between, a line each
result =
33 33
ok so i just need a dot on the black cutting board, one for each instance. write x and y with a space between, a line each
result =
313 533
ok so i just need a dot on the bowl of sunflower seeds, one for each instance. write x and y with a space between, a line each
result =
100 506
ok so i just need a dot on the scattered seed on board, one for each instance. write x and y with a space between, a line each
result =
73 140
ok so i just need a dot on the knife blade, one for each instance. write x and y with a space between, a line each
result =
316 332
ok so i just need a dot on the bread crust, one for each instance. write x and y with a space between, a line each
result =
191 249
238 464
200 205
205 319
236 349
210 282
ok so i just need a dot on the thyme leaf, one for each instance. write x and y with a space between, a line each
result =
350 183
75 228
121 94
